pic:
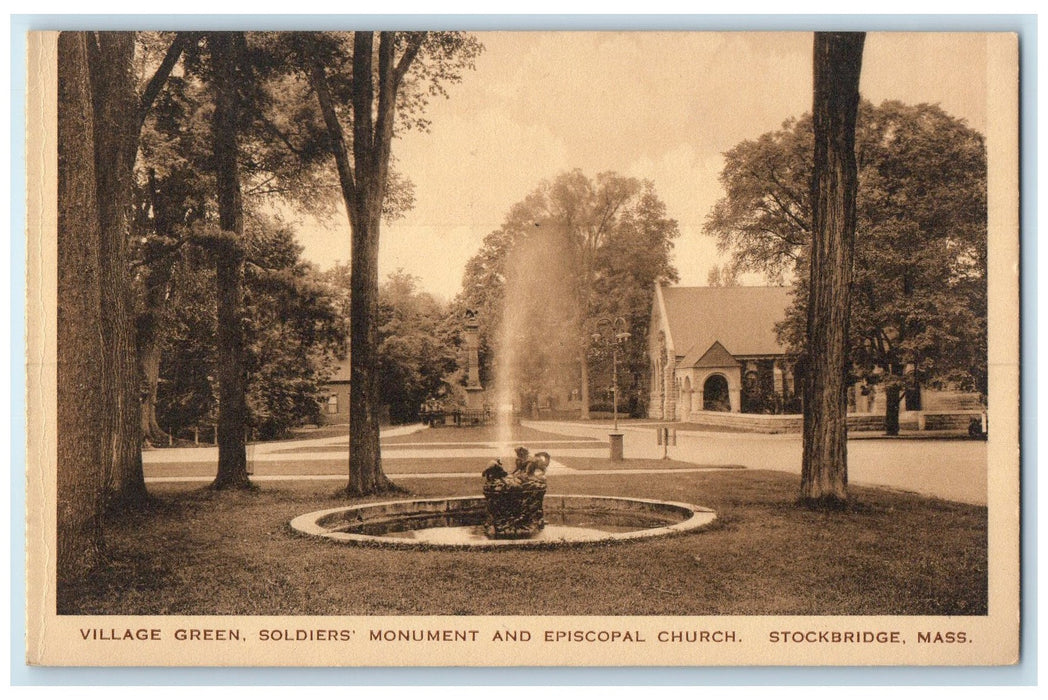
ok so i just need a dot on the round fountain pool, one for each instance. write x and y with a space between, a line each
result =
459 522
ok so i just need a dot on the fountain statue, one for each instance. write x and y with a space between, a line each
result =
514 501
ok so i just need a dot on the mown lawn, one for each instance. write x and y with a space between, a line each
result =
198 552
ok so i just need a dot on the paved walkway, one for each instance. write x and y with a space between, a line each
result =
264 450
950 469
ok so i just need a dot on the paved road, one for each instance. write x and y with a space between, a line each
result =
952 469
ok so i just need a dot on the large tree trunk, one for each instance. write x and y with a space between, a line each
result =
156 284
365 457
115 139
365 465
149 356
148 323
98 444
824 467
81 448
363 185
229 263
157 277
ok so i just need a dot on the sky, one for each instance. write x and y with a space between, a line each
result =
653 105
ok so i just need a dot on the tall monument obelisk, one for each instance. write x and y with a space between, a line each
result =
474 389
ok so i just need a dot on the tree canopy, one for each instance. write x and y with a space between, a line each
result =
417 350
919 287
418 340
240 129
293 336
597 247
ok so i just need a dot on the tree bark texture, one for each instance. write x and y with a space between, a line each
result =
116 141
365 466
229 264
365 457
156 283
363 183
99 439
147 340
837 65
81 444
149 370
157 277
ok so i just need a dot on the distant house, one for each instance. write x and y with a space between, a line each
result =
334 401
716 349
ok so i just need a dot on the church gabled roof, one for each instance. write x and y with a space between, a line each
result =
714 356
742 319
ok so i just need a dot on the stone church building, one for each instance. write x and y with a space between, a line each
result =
715 349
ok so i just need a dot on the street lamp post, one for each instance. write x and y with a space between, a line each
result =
622 335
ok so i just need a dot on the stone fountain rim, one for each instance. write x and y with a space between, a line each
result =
307 524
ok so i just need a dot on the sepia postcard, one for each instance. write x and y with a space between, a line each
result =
533 348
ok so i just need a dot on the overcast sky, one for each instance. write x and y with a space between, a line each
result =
658 106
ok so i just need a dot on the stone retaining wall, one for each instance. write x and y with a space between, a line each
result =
957 420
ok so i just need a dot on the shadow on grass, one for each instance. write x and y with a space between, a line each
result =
196 552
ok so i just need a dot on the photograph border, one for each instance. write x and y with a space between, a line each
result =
1023 25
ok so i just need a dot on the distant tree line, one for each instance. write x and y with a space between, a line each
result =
591 250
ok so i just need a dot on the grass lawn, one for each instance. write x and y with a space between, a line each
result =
260 468
439 465
197 552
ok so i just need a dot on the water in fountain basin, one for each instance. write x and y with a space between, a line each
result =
468 528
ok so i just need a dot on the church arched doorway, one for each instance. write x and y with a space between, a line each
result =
715 394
